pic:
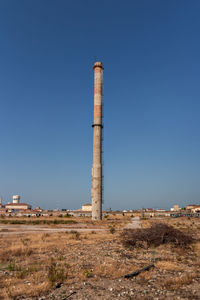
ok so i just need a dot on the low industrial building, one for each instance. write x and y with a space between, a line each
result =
87 207
193 208
18 206
196 209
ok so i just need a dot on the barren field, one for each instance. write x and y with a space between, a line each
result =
78 264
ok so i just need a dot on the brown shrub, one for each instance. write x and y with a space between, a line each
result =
56 273
156 235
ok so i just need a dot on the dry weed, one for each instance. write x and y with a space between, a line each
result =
113 269
178 281
169 266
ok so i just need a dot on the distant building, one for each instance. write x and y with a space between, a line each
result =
2 211
192 207
87 207
196 209
38 208
18 206
175 208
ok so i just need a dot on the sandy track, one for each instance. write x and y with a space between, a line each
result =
24 229
135 223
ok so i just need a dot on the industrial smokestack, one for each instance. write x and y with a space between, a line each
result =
97 143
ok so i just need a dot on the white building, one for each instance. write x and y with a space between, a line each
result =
18 206
87 207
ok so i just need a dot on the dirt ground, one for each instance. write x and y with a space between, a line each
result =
92 265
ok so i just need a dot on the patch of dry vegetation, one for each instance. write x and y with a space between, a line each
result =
112 220
178 281
33 264
169 266
156 235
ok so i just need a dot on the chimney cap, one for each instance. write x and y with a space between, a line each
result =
98 64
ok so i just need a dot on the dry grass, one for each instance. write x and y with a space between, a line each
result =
32 264
53 221
112 269
197 249
156 235
37 262
169 266
145 276
179 281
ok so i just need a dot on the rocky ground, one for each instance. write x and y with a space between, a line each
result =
104 267
94 267
123 289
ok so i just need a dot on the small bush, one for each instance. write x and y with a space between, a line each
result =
56 273
87 273
76 234
156 235
44 236
67 216
112 229
21 273
11 267
26 241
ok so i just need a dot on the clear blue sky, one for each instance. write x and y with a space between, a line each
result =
151 54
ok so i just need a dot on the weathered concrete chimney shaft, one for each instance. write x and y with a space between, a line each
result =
97 143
